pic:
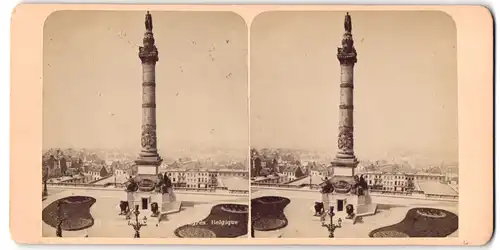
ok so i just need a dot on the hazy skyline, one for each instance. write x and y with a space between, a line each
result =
405 94
93 76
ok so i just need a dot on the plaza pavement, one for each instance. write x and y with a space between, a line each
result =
107 222
302 223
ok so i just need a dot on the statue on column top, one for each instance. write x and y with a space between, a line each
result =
347 23
149 21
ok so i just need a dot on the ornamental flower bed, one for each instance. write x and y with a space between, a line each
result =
268 213
421 222
224 221
75 212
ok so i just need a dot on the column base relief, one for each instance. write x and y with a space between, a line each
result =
345 161
150 160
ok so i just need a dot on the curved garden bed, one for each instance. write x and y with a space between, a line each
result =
74 210
268 213
224 221
420 222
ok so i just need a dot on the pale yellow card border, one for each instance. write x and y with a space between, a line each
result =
475 79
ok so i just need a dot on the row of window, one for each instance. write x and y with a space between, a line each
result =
197 186
388 183
393 177
240 174
389 177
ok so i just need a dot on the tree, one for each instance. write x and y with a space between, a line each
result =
257 166
103 172
45 177
264 172
51 161
254 152
410 186
298 172
275 165
64 167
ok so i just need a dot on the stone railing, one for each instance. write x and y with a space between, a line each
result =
274 185
111 188
438 196
88 184
396 194
121 186
69 184
195 189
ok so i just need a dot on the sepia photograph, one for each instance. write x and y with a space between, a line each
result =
354 124
315 124
145 125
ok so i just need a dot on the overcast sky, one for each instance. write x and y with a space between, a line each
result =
92 80
405 95
405 81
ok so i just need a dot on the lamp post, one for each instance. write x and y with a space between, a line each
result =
253 219
45 177
137 225
59 218
332 226
309 169
45 192
252 163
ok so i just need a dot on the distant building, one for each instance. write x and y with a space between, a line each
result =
399 182
289 172
191 178
318 170
122 172
97 171
452 178
178 177
202 178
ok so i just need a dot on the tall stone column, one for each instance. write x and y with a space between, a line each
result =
345 161
149 159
